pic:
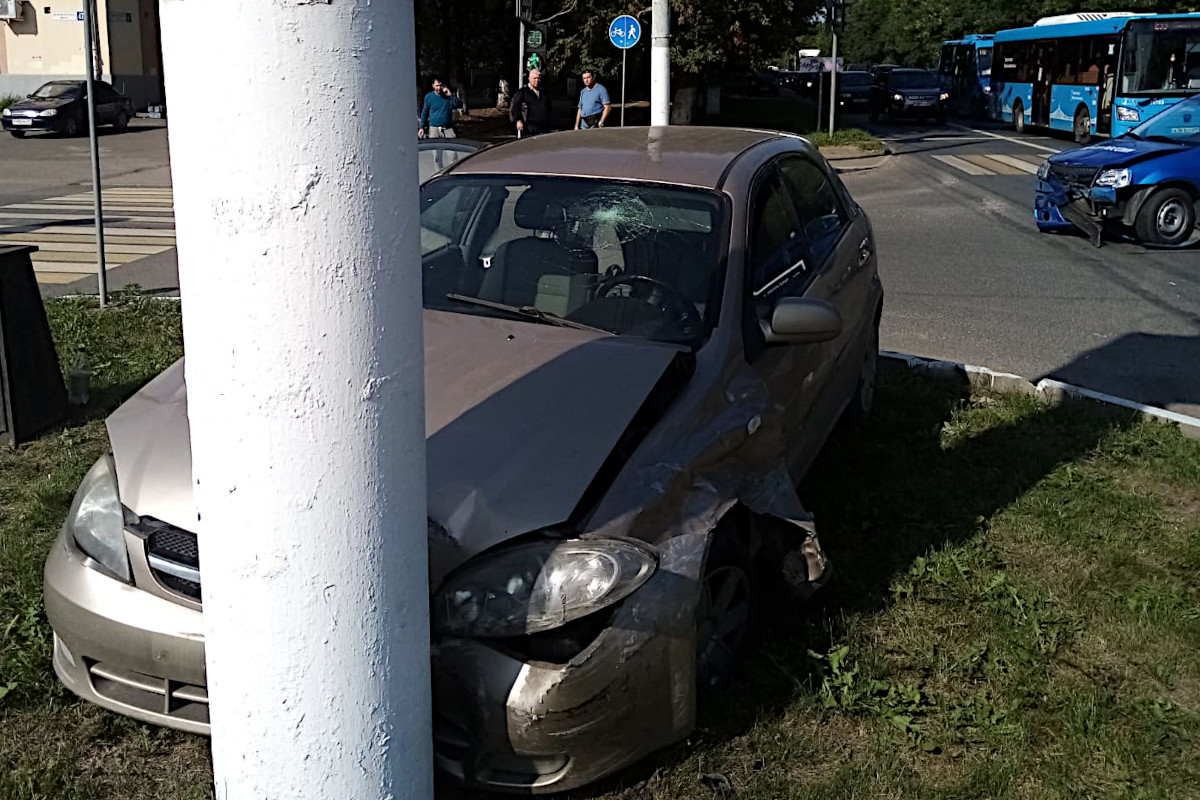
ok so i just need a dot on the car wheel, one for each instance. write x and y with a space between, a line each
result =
72 127
18 134
1019 117
874 115
724 614
1168 217
1083 126
863 401
122 122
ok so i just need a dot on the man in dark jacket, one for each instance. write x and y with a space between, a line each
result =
530 108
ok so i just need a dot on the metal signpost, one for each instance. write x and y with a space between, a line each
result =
624 32
835 20
97 204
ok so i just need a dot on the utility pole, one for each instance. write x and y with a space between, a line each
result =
660 63
833 93
97 201
300 273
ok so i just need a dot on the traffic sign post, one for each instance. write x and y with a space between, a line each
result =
624 32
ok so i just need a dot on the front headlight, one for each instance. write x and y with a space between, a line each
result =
97 521
7 111
899 98
945 95
49 112
539 586
1113 178
1128 114
987 89
1044 170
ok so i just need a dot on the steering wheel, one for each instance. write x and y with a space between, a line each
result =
666 298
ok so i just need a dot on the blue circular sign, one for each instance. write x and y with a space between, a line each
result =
624 31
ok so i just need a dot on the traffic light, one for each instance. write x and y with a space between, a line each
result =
836 12
536 46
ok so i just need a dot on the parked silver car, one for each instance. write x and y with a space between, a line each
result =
637 340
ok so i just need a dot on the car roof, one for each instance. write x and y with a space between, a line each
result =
679 154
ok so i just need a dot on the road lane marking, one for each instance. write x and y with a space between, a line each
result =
989 134
992 163
963 166
62 228
1019 163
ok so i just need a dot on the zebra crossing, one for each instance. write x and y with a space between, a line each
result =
993 164
138 222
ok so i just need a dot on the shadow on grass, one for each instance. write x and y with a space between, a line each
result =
916 479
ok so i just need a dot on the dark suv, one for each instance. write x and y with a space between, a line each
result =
908 92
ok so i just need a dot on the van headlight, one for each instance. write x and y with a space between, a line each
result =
1044 170
944 96
1114 178
539 586
1128 114
97 522
899 98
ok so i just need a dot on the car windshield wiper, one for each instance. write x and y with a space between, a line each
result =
1158 137
527 312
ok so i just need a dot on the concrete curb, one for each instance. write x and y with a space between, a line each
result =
1046 390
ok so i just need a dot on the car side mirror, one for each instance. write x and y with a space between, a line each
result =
800 320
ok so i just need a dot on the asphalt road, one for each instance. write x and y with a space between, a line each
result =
969 278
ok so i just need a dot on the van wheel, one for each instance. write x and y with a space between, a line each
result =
1083 126
1167 218
1019 117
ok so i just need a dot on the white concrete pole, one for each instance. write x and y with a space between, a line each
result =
833 80
301 284
660 63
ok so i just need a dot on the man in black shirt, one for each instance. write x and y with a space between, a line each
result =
530 108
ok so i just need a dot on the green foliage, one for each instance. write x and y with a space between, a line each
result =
7 100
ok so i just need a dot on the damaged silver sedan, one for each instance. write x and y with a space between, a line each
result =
636 343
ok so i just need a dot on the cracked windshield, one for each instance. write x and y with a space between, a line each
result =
636 260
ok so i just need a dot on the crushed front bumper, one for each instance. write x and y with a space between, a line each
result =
503 721
1090 209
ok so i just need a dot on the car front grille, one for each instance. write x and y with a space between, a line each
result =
1073 177
186 701
173 555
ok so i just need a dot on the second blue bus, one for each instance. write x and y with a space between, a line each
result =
1094 73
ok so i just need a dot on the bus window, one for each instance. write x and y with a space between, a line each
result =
1161 57
983 60
946 66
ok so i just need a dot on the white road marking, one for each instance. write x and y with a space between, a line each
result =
962 165
1013 161
991 135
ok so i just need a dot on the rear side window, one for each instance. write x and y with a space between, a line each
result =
818 205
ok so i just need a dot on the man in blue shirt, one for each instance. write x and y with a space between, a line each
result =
437 113
593 104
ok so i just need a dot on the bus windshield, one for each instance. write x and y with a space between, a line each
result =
1162 57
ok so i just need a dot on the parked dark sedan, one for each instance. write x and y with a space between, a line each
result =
1145 184
908 92
854 92
61 107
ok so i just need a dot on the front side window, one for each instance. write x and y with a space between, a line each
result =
817 206
634 259
776 241
983 60
1161 57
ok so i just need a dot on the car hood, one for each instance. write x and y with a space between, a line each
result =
40 105
519 418
1120 152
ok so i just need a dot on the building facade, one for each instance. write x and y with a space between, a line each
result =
45 41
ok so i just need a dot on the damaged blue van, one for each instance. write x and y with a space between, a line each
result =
1145 184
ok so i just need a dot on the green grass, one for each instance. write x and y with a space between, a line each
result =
1015 612
793 116
847 137
7 100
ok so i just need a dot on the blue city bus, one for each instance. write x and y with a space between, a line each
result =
1095 73
965 70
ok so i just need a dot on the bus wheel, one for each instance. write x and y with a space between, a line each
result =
1019 117
1083 126
1168 217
